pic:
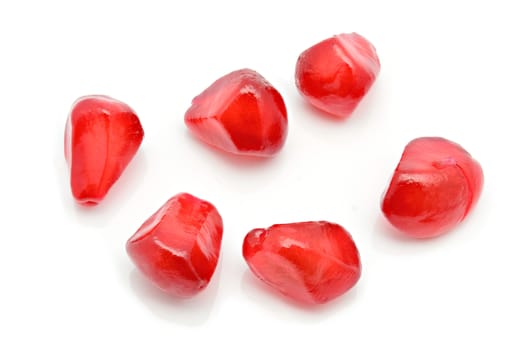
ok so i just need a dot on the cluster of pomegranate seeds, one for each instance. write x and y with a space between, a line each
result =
335 74
434 187
102 136
240 113
178 247
312 262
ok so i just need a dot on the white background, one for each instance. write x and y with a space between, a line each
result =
449 68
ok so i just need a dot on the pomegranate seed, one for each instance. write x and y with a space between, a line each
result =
434 187
335 74
240 113
311 262
178 247
102 136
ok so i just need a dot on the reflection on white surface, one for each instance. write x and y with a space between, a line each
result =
189 312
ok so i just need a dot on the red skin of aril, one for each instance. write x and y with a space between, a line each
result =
240 113
310 262
434 187
178 247
335 74
102 136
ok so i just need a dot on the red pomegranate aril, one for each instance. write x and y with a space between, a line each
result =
335 74
178 247
310 262
434 187
102 136
240 113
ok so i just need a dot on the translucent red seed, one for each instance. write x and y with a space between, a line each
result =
311 262
240 113
102 136
335 74
178 247
434 187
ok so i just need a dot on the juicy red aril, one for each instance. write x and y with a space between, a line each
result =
178 247
102 136
434 187
312 262
240 113
336 73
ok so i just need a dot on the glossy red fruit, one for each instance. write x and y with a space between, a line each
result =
335 74
434 187
241 113
311 262
178 247
102 136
